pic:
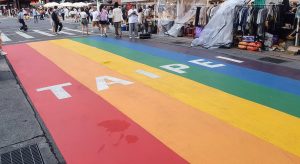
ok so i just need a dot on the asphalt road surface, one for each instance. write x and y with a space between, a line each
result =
37 31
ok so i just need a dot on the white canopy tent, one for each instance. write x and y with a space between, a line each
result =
66 4
51 4
80 4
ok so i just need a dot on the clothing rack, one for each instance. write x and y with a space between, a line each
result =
257 36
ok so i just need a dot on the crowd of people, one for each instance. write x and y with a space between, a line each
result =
102 19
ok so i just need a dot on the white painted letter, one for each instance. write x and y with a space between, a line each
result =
103 85
204 63
176 67
148 74
57 90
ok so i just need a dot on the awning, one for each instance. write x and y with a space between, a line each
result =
132 1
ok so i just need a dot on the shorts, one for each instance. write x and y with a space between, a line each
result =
103 22
95 23
84 22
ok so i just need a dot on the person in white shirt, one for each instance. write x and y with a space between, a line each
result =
96 19
84 21
133 21
110 16
117 19
35 15
66 10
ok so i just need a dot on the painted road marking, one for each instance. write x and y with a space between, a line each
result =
66 28
220 78
283 134
63 32
24 35
101 132
57 90
103 84
43 33
148 74
229 59
5 38
136 101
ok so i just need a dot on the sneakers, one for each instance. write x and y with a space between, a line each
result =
137 37
130 37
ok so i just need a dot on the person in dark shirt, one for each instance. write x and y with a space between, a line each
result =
56 20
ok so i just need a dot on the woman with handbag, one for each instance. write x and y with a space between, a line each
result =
103 20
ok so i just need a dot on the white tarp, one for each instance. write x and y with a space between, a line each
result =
218 32
179 23
130 1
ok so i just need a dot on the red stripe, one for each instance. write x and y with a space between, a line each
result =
85 127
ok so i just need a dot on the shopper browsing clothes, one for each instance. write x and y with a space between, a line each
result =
117 19
84 21
133 22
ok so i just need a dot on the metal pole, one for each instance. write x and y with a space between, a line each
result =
297 33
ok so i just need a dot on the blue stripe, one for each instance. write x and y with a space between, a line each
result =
258 77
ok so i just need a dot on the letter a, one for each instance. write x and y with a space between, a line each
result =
102 83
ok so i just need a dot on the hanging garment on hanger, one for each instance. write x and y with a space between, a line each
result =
253 24
243 19
262 16
236 14
249 17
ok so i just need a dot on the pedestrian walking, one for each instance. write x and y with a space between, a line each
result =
42 14
103 20
141 20
21 20
110 16
88 14
91 14
62 13
117 19
76 15
56 21
96 19
84 21
35 15
133 22
50 10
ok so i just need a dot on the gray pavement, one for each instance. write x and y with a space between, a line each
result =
20 124
36 31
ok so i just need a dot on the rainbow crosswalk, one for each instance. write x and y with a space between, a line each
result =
115 101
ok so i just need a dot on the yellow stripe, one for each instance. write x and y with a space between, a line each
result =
266 123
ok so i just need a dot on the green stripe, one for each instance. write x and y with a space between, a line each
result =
282 101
